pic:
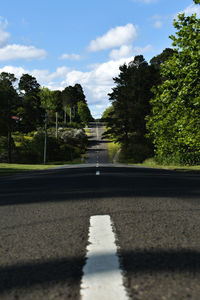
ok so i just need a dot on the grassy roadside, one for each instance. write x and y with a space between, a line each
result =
6 169
87 131
112 150
152 164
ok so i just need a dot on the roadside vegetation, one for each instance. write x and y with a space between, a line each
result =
39 126
155 106
113 149
151 163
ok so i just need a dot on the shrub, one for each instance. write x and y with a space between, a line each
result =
64 148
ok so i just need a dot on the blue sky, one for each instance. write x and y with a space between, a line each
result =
66 42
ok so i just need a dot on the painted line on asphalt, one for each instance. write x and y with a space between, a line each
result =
102 277
97 165
97 172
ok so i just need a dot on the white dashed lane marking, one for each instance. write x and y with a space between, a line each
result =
102 278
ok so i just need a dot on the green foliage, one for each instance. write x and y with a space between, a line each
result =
125 119
71 125
174 124
24 109
47 99
9 102
71 144
107 114
30 112
84 113
161 58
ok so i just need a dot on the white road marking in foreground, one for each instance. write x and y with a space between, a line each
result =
97 172
102 278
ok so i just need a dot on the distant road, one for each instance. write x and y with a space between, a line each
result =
45 218
97 152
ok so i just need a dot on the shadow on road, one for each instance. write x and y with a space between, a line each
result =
70 270
82 184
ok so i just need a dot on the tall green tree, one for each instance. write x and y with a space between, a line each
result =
84 113
47 99
31 112
71 96
174 123
159 59
9 103
130 101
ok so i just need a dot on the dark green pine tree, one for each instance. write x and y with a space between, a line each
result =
31 112
130 101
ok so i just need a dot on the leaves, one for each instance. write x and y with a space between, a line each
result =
174 123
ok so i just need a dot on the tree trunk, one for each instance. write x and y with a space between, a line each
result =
9 146
70 115
56 124
65 115
45 140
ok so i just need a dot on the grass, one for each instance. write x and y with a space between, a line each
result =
153 164
87 131
112 150
6 169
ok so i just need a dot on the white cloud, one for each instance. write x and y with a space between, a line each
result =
13 52
44 77
192 9
96 83
128 51
115 37
123 51
70 56
142 50
4 36
18 71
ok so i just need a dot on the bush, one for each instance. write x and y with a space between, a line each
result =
75 137
4 148
136 153
185 158
71 125
62 149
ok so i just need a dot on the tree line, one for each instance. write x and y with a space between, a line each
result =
155 107
25 106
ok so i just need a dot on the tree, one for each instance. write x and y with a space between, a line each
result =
48 103
107 114
9 103
162 57
84 113
68 100
47 98
30 112
130 101
71 96
174 123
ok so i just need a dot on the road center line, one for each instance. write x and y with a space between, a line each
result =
97 172
102 278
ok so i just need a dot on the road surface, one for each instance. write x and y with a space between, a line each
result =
45 218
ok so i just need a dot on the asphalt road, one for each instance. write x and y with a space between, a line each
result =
44 221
